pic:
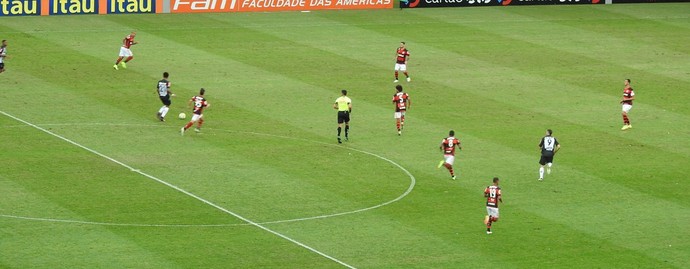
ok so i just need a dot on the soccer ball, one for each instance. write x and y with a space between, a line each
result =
182 116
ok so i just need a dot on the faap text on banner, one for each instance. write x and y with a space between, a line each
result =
187 6
279 5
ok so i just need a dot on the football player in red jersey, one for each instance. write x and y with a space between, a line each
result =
401 100
198 104
493 197
448 146
401 56
627 101
125 51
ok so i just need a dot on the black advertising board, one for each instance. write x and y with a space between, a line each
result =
647 1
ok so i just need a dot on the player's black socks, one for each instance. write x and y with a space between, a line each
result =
339 129
347 130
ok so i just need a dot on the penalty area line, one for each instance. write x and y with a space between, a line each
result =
255 224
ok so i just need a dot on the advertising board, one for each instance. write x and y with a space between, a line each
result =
192 6
475 3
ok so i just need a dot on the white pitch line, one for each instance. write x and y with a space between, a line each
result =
413 182
118 224
183 191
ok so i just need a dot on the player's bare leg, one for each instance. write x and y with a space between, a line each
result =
407 75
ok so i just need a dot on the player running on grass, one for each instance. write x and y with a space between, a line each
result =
401 100
401 56
3 55
164 93
125 51
199 103
448 146
549 145
626 102
493 197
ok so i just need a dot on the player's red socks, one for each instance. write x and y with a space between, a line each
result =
396 75
626 121
189 124
450 168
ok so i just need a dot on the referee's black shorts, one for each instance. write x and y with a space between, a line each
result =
343 116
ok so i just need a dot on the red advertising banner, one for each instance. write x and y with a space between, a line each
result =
190 6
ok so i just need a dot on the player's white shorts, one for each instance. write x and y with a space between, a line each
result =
196 117
400 67
399 115
492 211
626 108
125 52
450 159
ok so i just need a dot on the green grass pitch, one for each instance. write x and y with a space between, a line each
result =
90 179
